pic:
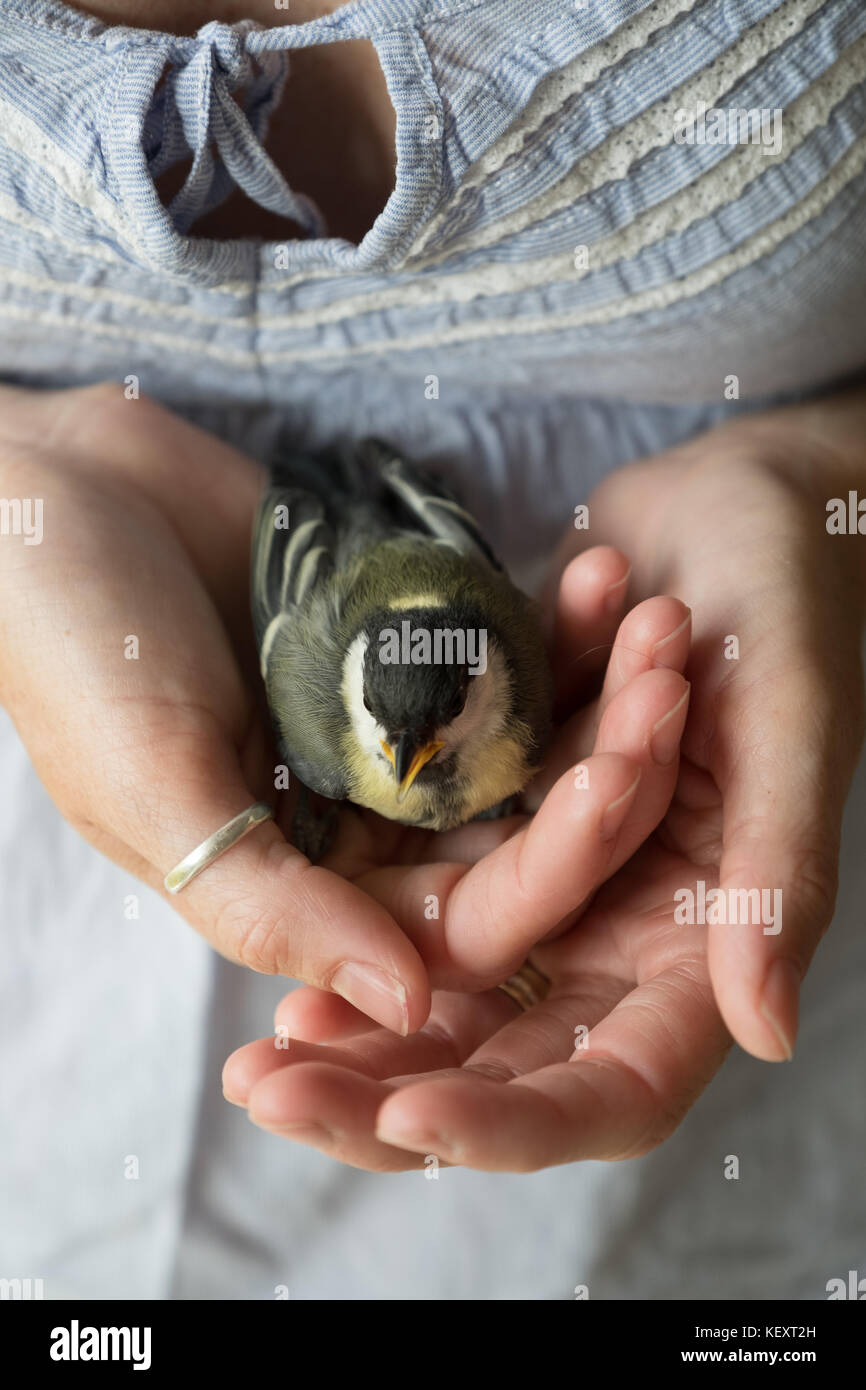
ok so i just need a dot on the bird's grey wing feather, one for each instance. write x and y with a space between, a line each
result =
293 550
429 503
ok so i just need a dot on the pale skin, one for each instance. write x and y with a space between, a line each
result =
735 523
146 757
697 767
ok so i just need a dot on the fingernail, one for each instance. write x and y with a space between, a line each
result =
780 1002
231 1100
666 734
305 1131
665 641
616 812
408 1137
375 993
615 593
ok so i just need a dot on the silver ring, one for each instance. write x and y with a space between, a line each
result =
215 845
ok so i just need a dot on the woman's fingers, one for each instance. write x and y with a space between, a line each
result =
655 634
315 1015
329 1096
513 1101
474 926
426 897
588 604
345 1105
594 819
458 1023
619 1096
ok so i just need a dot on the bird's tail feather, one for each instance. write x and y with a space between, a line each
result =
334 474
369 489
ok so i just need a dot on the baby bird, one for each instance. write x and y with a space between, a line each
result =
404 671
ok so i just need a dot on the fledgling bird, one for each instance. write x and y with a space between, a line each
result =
404 671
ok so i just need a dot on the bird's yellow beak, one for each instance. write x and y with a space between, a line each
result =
419 758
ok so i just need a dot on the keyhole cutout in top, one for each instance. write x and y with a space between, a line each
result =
332 137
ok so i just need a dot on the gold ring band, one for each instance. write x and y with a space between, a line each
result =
527 987
215 845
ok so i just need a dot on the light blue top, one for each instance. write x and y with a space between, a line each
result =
526 129
581 284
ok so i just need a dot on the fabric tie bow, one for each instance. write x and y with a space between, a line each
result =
195 111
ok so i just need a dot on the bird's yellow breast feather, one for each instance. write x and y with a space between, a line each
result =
503 772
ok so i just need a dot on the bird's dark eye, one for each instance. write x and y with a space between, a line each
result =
457 704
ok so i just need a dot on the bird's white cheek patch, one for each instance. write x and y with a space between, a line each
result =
367 733
484 716
490 764
372 775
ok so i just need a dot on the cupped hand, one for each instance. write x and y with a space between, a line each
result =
327 1078
126 663
736 525
127 666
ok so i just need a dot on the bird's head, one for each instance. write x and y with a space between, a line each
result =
415 707
422 691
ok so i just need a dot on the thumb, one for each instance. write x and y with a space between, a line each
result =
148 782
783 800
261 904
